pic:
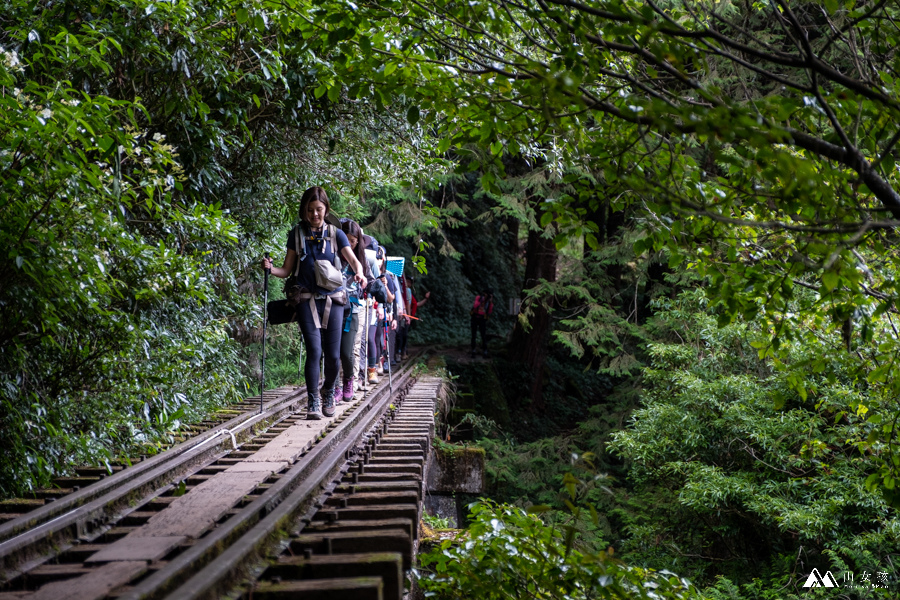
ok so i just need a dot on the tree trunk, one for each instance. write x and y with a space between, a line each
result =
530 347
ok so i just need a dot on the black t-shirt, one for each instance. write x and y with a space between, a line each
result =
391 280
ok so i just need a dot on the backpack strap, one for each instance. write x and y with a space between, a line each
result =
300 242
332 235
314 311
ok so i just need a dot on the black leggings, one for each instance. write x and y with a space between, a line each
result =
402 337
391 342
373 352
479 323
321 342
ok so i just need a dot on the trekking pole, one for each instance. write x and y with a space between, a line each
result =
300 362
262 385
365 355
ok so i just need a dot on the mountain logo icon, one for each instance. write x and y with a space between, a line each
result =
817 580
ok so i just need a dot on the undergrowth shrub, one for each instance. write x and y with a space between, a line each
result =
509 553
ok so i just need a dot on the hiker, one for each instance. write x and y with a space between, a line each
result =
396 309
318 293
388 322
375 253
359 241
415 302
481 312
351 335
409 320
404 320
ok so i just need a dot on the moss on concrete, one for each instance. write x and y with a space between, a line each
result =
460 468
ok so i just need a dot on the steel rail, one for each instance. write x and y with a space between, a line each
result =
245 535
76 515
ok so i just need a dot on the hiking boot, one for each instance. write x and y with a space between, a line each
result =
347 393
313 407
379 369
405 356
373 375
328 403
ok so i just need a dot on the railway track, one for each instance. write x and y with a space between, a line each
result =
207 520
223 421
79 510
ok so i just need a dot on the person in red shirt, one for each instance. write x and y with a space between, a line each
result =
481 312
412 305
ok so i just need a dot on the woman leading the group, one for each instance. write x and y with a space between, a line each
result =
320 300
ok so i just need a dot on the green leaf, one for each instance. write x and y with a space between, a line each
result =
334 93
412 115
105 144
675 259
546 219
778 400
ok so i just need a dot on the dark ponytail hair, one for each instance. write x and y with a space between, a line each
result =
313 194
352 228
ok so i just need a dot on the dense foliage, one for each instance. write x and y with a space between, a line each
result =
762 475
103 276
509 553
